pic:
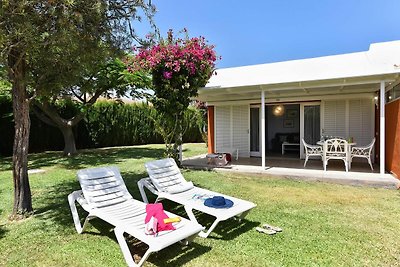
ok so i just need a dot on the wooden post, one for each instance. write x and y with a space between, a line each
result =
382 128
211 130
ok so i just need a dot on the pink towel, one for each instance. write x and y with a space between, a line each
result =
157 211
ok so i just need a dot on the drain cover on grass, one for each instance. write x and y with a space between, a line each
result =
35 171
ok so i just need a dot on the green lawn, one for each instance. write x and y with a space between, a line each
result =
324 224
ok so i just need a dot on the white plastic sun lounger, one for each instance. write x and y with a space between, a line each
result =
166 181
104 195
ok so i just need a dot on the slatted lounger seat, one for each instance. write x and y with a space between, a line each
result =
166 181
105 196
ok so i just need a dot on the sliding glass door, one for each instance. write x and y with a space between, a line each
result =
310 124
255 133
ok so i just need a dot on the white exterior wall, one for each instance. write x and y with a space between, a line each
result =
334 118
349 118
222 127
361 121
232 129
341 117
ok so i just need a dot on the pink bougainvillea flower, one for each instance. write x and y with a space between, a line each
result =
167 75
179 59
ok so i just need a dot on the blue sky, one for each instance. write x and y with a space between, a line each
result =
254 32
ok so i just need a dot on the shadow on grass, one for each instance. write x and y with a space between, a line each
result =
2 230
177 254
54 207
92 157
225 230
54 203
174 255
5 163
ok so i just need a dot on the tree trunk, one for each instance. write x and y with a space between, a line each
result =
46 113
69 140
178 138
22 191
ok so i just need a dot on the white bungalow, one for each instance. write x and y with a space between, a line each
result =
267 109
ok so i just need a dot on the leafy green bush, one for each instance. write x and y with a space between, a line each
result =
116 124
107 123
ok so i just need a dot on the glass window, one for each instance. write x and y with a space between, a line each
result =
393 93
396 91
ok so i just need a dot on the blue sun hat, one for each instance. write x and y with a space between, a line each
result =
218 202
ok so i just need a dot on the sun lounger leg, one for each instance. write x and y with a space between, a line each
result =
203 234
71 200
75 216
189 212
188 240
243 215
119 233
88 218
206 234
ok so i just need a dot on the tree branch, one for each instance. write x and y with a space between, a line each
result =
51 113
42 116
78 117
77 96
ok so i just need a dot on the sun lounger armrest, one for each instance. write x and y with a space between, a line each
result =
75 196
146 182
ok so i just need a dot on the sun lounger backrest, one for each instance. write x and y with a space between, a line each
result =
103 186
164 174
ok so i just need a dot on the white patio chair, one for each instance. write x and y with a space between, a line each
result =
336 149
104 195
363 152
311 151
167 182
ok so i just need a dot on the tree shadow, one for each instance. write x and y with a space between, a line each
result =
178 255
55 208
88 157
5 163
2 230
174 255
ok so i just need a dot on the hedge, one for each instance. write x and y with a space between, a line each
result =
107 123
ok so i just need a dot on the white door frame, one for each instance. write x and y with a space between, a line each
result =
255 153
302 105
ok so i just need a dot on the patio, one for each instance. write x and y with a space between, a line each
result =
292 167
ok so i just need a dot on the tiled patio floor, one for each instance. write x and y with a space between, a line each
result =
291 167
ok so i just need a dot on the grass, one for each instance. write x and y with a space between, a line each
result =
324 224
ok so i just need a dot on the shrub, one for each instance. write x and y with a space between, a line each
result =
107 123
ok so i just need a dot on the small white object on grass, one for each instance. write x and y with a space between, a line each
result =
33 171
271 227
265 231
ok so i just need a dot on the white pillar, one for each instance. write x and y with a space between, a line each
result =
382 128
263 130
